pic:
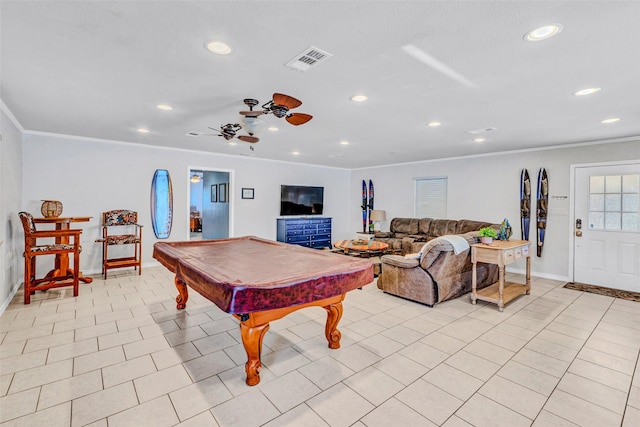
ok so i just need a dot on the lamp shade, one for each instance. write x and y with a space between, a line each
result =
252 125
378 215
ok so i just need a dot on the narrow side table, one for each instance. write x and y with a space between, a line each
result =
502 253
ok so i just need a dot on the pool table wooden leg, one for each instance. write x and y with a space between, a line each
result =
252 340
183 293
254 326
334 313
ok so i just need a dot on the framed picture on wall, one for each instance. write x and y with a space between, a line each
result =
222 193
214 193
247 193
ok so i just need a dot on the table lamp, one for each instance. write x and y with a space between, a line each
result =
377 216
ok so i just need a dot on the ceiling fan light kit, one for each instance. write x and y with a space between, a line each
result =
252 124
279 106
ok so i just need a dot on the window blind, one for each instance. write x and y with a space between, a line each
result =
431 197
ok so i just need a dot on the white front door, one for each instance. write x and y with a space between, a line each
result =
607 226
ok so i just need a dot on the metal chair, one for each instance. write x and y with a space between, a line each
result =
125 223
62 246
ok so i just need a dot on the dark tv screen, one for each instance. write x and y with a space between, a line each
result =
301 200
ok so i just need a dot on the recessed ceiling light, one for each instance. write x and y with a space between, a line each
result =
273 128
164 107
479 139
219 48
611 120
296 153
543 33
232 143
344 142
587 91
143 130
359 98
433 124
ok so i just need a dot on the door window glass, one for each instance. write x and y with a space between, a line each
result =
614 202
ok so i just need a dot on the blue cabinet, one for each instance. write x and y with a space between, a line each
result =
309 232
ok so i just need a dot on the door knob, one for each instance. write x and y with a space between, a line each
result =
578 227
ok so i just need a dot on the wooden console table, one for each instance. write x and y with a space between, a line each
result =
502 253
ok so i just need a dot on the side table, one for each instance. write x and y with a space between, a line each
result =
502 253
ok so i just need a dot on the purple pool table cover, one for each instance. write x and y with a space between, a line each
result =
247 274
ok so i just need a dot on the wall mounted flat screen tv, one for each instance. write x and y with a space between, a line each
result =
301 200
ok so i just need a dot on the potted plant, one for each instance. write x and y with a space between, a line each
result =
487 234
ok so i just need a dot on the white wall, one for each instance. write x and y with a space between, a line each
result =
488 188
91 176
10 203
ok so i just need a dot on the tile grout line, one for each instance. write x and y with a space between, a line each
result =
635 371
576 356
440 327
478 307
515 353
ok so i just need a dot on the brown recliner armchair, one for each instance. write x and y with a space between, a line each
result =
435 274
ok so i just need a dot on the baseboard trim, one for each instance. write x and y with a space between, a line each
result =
7 300
538 274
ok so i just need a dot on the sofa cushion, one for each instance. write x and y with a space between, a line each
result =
404 226
423 226
466 225
382 234
432 249
440 227
394 244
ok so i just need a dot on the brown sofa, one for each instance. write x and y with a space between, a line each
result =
408 235
435 273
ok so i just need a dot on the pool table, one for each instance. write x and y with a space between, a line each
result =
259 280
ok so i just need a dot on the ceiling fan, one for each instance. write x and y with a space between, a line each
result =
279 106
230 131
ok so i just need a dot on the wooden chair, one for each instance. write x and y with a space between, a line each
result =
129 232
63 246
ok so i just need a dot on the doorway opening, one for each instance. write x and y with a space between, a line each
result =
209 204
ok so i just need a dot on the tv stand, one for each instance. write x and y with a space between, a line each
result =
312 232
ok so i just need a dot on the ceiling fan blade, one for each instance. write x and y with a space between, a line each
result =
286 100
298 118
247 138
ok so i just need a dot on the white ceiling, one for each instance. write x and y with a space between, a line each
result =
97 69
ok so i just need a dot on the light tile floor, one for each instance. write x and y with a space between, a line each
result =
120 354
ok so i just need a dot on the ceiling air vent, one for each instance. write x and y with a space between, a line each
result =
308 58
483 130
193 133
